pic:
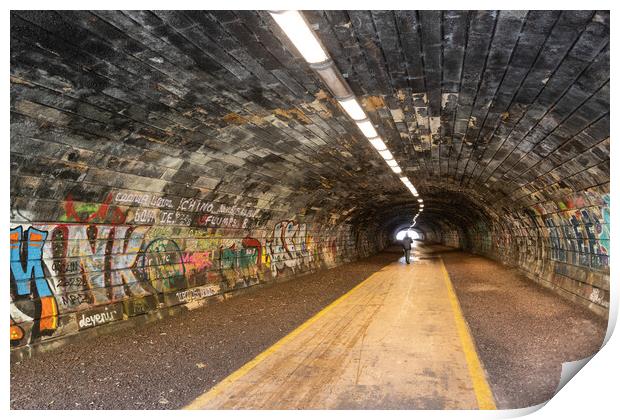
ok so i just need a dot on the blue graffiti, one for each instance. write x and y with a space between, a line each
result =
34 264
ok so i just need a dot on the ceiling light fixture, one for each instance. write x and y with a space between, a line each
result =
367 128
297 30
396 169
353 108
386 154
377 143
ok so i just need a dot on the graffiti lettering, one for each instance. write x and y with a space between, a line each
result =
197 293
198 261
106 271
288 247
143 200
28 249
89 321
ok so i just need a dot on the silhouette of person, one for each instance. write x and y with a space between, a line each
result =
407 241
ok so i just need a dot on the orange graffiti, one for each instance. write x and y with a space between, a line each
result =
49 314
16 332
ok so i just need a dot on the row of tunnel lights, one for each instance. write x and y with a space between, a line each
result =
296 28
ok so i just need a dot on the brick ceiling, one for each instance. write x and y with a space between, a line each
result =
483 110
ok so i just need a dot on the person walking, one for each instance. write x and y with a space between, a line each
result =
407 241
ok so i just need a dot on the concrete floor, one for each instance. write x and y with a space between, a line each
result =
368 360
393 342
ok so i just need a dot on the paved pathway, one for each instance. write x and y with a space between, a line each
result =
397 340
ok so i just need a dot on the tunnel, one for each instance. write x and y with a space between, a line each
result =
172 165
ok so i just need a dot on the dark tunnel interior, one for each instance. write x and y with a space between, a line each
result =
168 156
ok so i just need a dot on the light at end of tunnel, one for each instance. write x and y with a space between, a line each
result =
296 28
367 128
392 163
412 234
353 108
378 144
396 169
386 154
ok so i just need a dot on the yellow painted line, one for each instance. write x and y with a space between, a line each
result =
202 400
479 380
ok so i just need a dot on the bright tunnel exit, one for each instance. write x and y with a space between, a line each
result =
412 234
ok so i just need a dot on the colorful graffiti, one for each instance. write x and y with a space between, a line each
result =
96 266
603 229
240 260
197 261
93 213
26 268
288 247
94 263
162 264
577 234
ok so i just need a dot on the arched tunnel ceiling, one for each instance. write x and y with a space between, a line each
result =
483 110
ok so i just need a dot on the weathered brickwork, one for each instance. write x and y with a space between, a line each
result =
160 158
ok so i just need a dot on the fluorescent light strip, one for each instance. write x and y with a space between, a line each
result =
396 169
353 108
295 27
377 143
367 128
386 154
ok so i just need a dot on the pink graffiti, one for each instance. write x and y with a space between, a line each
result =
198 261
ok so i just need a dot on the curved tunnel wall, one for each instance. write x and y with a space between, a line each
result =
94 263
561 242
162 158
139 188
87 260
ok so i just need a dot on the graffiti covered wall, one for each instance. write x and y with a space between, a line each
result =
564 244
135 253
